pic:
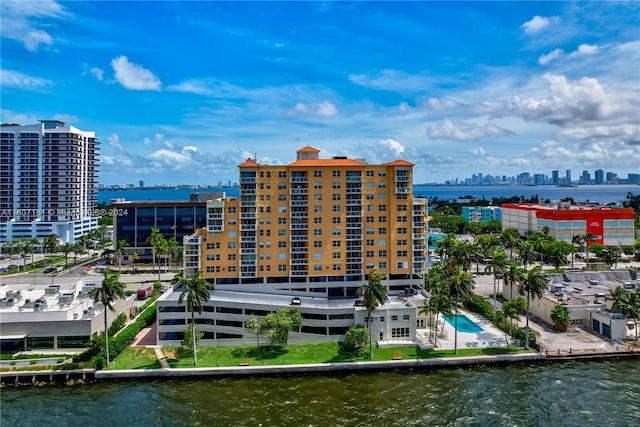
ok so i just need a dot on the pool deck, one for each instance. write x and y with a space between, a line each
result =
490 336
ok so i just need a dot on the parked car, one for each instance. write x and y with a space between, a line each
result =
49 270
12 267
59 268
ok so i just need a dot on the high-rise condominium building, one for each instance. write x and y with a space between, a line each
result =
48 176
311 230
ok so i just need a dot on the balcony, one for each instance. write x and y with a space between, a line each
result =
299 250
299 227
299 179
354 236
299 238
299 261
403 190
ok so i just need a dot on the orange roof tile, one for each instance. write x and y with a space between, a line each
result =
400 163
307 149
249 163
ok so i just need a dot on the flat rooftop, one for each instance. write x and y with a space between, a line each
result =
589 287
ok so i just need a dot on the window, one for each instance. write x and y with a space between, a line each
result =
317 209
282 220
317 197
394 317
369 197
317 232
282 197
337 267
399 332
335 243
317 174
382 185
317 243
336 255
382 196
336 232
370 208
382 173
402 230
382 253
369 230
282 267
282 186
401 253
402 242
317 185
369 242
370 254
382 218
282 255
317 255
382 265
369 219
231 245
336 220
282 233
336 185
282 174
231 257
382 230
336 208
231 221
402 208
232 268
336 197
317 267
402 265
336 174
382 242
402 218
370 185
317 220
231 210
382 208
406 317
369 173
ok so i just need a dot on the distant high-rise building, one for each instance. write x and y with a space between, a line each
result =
568 176
48 176
585 178
141 183
555 177
611 178
599 176
633 178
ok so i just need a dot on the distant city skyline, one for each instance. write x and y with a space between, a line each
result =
185 91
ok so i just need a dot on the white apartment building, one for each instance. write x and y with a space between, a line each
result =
48 177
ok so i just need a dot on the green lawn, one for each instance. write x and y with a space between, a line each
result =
312 353
136 358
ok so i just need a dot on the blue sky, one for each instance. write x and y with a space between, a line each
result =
182 92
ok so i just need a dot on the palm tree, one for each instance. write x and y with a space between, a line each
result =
119 252
374 293
110 290
445 246
156 240
561 317
533 284
588 238
463 252
510 311
196 293
460 289
50 243
576 241
619 297
65 249
513 275
437 304
497 266
134 258
173 249
510 237
526 253
633 309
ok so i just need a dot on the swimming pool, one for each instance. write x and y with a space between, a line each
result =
464 324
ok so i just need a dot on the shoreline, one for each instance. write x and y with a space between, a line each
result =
84 376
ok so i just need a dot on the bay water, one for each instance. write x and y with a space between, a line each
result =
577 393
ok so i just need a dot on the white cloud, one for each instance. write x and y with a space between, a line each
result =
114 141
133 76
393 146
399 81
538 24
458 130
99 73
551 56
323 109
175 160
478 151
584 49
20 21
10 78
